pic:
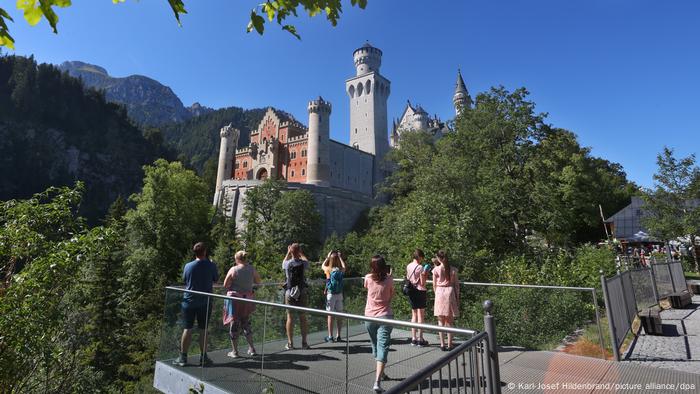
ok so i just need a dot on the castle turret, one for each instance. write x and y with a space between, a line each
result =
227 151
367 59
461 98
420 119
368 92
318 159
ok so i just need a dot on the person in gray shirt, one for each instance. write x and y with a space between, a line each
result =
239 282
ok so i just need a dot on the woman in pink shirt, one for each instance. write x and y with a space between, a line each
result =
418 298
380 291
446 296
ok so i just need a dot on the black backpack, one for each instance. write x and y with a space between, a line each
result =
296 276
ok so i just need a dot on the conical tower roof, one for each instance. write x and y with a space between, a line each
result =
460 87
461 97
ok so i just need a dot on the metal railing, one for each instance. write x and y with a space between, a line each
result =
495 291
592 290
479 353
628 292
313 311
480 370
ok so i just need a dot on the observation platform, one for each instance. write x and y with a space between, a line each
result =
348 366
323 369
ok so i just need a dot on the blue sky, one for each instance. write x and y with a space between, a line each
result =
622 75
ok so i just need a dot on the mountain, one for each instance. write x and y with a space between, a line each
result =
198 109
54 132
147 101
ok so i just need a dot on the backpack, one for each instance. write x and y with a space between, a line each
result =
296 276
334 285
408 286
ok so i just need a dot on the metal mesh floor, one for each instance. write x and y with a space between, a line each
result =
322 369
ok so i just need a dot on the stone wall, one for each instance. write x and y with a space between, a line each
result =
340 209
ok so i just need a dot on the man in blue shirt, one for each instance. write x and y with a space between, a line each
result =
199 275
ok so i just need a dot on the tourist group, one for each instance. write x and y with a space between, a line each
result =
201 274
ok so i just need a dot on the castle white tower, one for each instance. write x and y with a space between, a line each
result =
368 92
227 151
318 159
461 98
420 119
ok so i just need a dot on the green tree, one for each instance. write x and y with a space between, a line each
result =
274 10
672 206
42 246
569 185
295 219
483 192
172 213
274 218
417 150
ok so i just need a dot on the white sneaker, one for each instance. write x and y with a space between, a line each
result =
377 388
232 354
251 352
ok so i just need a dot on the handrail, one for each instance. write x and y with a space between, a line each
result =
320 281
528 286
510 285
409 383
391 322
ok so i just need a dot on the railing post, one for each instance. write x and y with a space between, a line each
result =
670 275
597 320
490 328
653 283
611 321
625 302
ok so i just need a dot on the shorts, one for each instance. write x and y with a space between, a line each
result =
303 299
380 338
334 302
191 312
418 299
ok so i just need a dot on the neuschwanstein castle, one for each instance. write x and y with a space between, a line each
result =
343 178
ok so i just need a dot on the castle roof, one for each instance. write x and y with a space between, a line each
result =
460 87
368 46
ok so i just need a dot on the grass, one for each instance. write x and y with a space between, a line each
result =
589 343
692 275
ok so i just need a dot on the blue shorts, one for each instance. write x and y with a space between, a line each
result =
191 312
380 337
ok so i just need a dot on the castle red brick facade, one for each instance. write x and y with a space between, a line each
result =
278 148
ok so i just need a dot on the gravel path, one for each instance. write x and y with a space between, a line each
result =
678 348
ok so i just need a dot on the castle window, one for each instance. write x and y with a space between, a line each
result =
355 130
360 88
351 91
245 164
303 171
369 86
319 159
292 173
236 165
